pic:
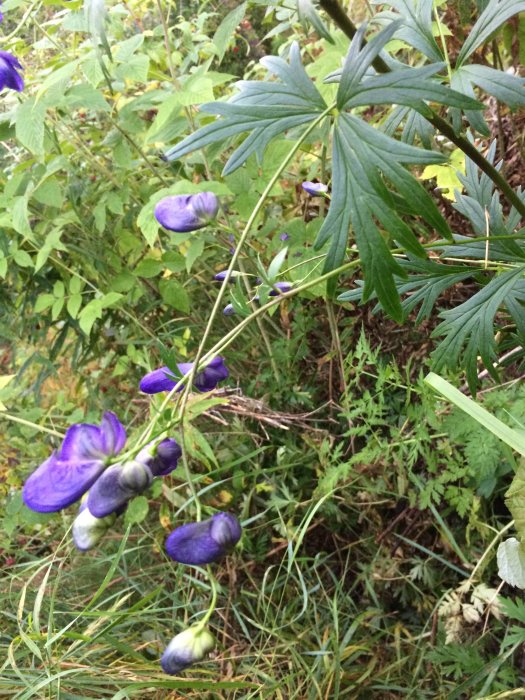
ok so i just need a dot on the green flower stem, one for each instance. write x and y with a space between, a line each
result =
487 551
29 424
339 16
213 602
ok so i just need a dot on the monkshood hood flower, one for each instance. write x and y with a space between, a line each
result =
65 476
314 188
89 530
221 276
280 288
9 65
121 482
183 213
163 380
187 648
204 542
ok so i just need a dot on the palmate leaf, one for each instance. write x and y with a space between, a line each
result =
402 85
426 281
360 196
265 109
493 16
469 328
416 25
506 88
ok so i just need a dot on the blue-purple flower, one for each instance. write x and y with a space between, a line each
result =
65 476
284 236
119 483
221 276
187 212
204 542
280 288
229 310
163 379
315 189
9 65
187 648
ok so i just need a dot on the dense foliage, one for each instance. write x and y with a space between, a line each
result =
234 239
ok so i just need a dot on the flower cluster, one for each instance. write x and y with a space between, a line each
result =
163 380
83 467
87 467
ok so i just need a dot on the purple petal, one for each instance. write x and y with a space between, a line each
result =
215 372
159 380
83 441
229 310
9 77
280 288
58 483
204 542
314 188
108 493
183 213
113 433
192 544
168 454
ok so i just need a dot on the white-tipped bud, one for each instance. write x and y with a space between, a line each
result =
88 530
187 648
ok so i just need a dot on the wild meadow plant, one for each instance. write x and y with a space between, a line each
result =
395 103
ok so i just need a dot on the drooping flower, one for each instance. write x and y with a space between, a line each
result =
187 648
280 288
229 310
65 476
314 188
9 65
204 542
121 482
183 213
163 380
88 530
221 276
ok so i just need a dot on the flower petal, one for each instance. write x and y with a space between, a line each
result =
82 441
159 380
192 544
58 483
113 433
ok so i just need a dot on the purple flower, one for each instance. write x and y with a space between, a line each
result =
65 476
284 236
8 72
280 288
121 482
229 310
163 380
204 542
187 648
187 212
314 188
221 276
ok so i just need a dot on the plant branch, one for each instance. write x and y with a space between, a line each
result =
339 16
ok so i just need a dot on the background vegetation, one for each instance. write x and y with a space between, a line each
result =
371 509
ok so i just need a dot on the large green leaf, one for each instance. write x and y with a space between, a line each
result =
469 328
493 16
265 109
416 25
507 88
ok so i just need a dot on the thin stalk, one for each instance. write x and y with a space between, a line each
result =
213 602
336 343
339 16
29 424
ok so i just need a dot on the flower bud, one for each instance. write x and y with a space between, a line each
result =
315 189
89 530
187 648
204 542
183 213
